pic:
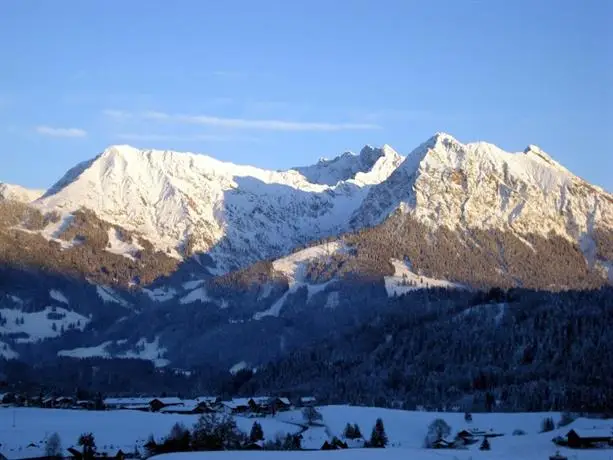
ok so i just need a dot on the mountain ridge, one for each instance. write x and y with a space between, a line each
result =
172 197
188 260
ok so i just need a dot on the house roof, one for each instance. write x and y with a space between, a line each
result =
237 402
128 401
136 406
285 401
308 399
593 433
170 400
179 408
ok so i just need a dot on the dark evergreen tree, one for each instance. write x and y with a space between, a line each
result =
378 437
485 445
257 433
547 425
88 443
349 432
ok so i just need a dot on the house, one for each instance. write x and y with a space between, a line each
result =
260 405
187 407
209 399
281 404
86 404
485 434
158 403
151 404
64 402
444 443
128 403
466 438
307 401
578 438
235 406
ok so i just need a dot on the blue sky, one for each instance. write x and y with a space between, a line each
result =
281 83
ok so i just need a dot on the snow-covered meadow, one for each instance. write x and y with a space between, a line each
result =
23 432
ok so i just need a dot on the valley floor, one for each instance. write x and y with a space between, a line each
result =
23 432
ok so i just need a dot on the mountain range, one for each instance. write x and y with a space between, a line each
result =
185 260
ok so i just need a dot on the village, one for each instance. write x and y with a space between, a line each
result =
298 420
254 406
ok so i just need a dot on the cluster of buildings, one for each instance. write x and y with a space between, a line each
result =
172 405
262 405
464 438
576 438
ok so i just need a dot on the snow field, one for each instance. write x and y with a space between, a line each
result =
406 431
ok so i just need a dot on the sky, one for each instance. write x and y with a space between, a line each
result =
277 83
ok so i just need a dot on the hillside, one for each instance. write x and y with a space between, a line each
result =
521 350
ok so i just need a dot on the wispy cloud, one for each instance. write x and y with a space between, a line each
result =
60 132
252 124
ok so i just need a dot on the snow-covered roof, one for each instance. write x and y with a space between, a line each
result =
593 433
180 408
128 401
285 401
136 406
306 399
238 402
170 400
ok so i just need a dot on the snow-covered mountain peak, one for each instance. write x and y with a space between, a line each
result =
18 193
186 202
479 185
349 166
120 149
536 153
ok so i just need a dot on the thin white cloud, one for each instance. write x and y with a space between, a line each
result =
60 132
255 124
